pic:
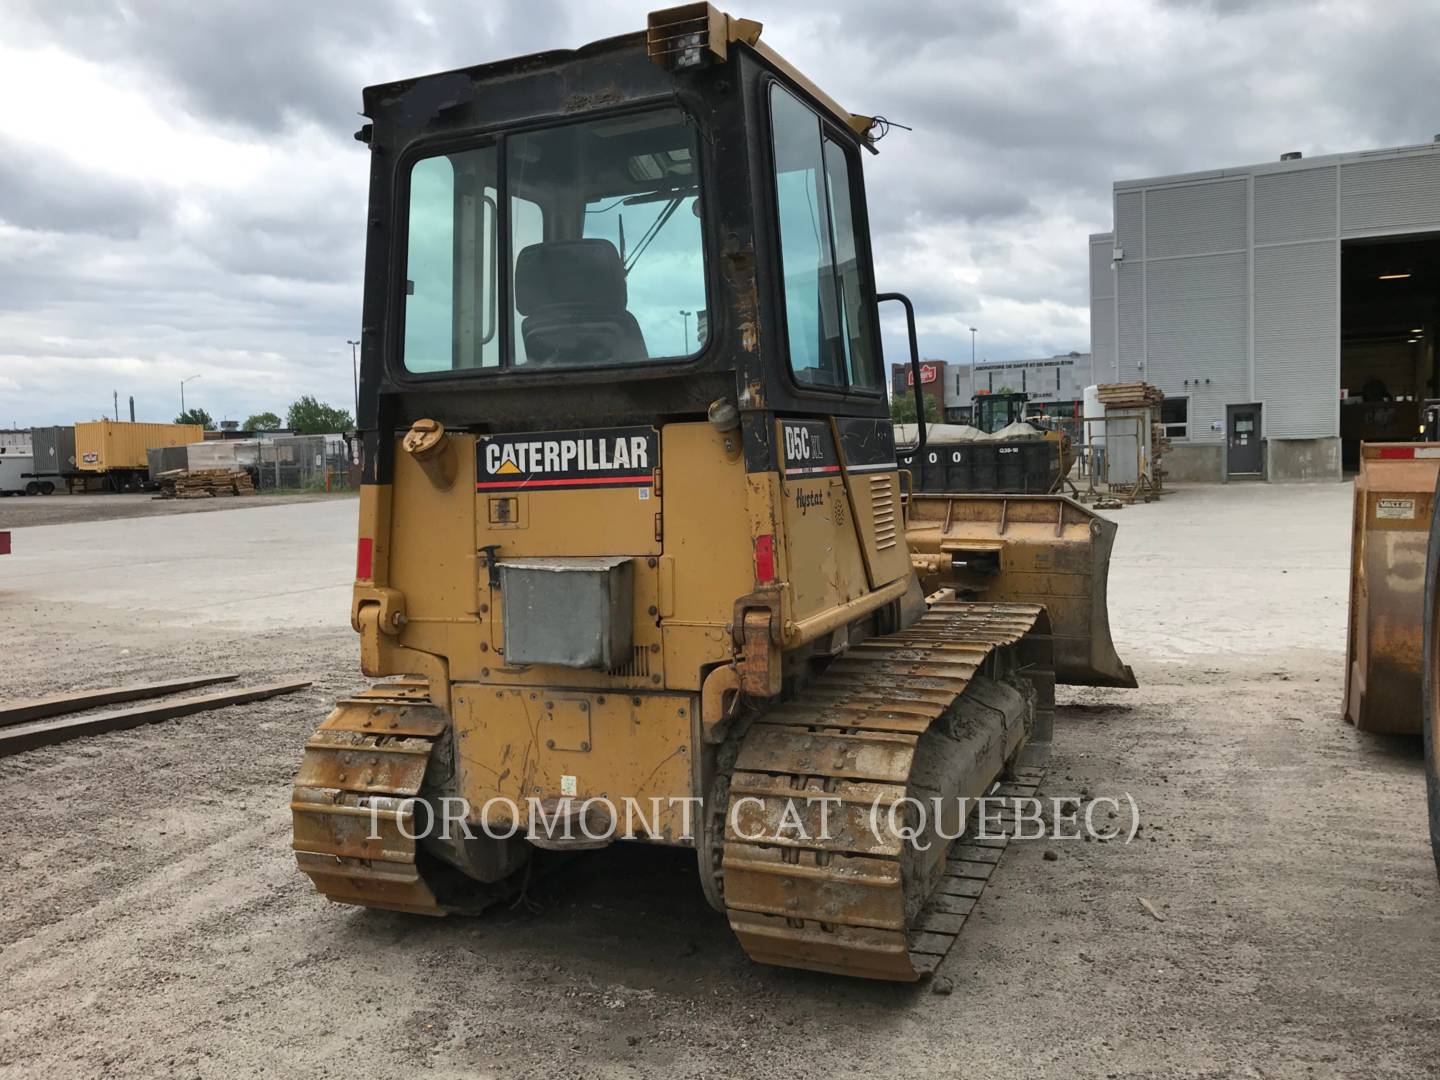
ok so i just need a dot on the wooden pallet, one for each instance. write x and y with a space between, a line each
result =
1130 395
205 483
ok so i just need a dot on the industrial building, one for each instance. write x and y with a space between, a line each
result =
1287 310
1055 384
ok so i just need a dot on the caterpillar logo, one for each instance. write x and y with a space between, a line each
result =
613 457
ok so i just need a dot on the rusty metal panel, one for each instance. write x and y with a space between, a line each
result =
1390 533
576 612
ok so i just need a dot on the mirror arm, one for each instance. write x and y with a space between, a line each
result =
914 362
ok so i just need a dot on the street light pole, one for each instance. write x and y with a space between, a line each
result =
355 374
972 352
182 392
685 332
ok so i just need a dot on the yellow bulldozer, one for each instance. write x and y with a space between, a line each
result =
635 560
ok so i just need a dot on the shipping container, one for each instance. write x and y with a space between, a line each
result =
55 449
109 445
163 459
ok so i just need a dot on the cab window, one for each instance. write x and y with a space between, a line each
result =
450 281
603 264
827 319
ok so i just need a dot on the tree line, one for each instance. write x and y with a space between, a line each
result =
305 417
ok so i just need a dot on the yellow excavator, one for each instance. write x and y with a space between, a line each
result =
635 560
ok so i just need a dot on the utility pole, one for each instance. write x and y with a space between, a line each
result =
182 392
355 374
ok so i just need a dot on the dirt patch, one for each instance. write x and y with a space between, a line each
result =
19 512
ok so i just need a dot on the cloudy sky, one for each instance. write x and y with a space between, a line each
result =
180 194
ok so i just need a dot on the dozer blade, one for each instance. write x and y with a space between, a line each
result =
1430 663
1026 549
1390 532
848 892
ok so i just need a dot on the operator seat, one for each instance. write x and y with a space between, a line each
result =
572 294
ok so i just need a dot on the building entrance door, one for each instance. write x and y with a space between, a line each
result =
1243 454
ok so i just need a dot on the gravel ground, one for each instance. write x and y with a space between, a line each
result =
152 922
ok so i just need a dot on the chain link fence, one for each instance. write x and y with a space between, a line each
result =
276 463
302 463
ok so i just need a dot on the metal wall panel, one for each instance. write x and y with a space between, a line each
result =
1130 318
1297 311
1390 194
1197 319
1128 223
1295 205
1196 219
1102 311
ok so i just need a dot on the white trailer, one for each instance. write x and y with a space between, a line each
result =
18 477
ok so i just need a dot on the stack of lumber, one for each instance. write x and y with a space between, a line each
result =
205 483
1129 395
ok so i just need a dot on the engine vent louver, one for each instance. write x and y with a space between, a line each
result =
637 666
882 502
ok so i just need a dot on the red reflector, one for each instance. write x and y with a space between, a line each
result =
364 558
1397 451
764 559
4 543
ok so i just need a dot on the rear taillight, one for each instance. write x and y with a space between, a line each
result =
364 558
764 559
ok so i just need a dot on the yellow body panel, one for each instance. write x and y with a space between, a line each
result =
428 569
615 521
824 565
514 745
875 498
708 561
101 445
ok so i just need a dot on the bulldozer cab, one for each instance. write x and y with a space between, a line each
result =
996 411
618 235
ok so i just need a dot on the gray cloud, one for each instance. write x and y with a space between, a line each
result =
135 267
45 191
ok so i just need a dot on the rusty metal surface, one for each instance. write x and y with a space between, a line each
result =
1026 549
1430 678
20 737
1390 534
835 901
21 712
352 824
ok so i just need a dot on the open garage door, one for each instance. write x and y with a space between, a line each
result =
1389 309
